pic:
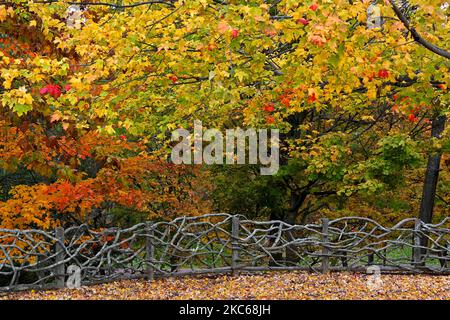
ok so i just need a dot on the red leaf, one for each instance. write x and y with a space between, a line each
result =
383 73
303 21
174 79
412 118
269 107
312 98
270 119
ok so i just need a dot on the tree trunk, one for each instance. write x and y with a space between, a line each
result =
297 200
289 217
431 180
432 174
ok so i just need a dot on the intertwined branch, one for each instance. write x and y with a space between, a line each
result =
210 244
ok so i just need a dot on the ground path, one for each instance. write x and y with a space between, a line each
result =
275 285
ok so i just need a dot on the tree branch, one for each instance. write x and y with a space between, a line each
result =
416 36
113 5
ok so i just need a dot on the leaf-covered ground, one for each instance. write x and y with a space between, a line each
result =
276 285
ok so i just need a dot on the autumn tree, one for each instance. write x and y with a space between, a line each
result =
355 104
59 170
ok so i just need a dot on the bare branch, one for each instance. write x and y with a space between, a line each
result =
416 36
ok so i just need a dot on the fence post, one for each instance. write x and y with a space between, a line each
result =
150 251
325 251
59 269
370 258
234 245
445 254
344 259
417 244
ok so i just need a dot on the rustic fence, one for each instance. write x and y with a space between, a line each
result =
218 243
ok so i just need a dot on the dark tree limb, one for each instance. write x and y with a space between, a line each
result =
107 4
416 36
432 174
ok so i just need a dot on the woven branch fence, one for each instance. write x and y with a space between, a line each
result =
218 243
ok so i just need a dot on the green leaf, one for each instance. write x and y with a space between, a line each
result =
21 109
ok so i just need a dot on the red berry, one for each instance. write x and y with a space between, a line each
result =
234 33
314 7
123 137
412 117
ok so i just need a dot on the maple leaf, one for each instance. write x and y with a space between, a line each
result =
303 21
223 27
55 116
270 119
269 107
268 286
314 6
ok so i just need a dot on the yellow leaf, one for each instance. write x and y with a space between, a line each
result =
2 13
372 93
